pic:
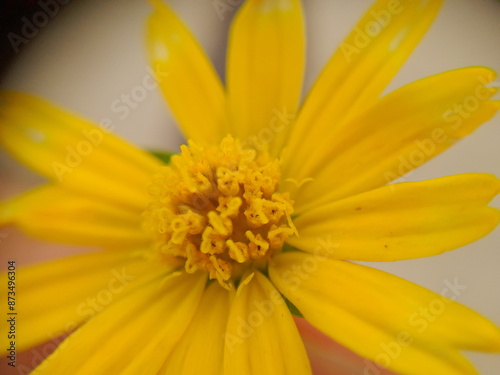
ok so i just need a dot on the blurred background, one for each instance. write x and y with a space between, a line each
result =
85 54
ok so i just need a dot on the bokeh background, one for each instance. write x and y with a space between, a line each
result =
91 52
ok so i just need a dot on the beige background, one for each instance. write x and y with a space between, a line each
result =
93 52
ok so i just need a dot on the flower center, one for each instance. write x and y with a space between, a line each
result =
218 208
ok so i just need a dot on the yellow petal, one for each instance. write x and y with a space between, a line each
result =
361 68
261 336
56 297
135 334
55 214
403 221
73 152
404 130
201 349
265 65
189 82
382 317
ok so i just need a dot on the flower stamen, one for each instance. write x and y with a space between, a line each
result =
219 209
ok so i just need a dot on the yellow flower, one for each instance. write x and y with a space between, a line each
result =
208 254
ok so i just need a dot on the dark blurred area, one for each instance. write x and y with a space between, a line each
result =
20 22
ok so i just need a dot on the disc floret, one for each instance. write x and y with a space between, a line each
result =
219 208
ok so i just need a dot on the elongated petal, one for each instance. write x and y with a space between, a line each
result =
405 220
392 321
404 130
73 152
359 71
189 82
261 335
265 67
134 334
55 214
58 296
201 349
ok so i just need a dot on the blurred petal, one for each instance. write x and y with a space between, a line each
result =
57 296
133 335
55 214
361 68
201 349
79 155
404 130
190 84
413 330
403 221
265 64
261 336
